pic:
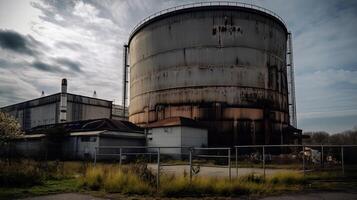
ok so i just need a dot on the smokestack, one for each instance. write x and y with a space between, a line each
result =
42 93
63 101
64 86
95 94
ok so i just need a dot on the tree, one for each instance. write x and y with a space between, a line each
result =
317 138
9 128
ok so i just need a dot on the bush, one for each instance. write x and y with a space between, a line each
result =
93 178
20 177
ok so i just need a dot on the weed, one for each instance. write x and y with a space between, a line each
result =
287 178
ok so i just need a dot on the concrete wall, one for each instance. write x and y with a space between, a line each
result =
118 112
41 111
165 136
45 110
194 137
176 136
83 108
78 111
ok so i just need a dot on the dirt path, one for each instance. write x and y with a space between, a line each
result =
316 196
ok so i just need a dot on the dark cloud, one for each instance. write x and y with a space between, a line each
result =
16 42
72 65
63 8
45 66
63 65
7 64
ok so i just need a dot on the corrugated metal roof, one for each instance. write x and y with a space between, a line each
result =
109 134
89 125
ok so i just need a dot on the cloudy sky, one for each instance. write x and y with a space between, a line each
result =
44 41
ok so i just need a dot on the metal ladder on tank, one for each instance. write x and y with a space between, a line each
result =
291 81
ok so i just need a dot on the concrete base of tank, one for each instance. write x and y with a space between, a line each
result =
227 125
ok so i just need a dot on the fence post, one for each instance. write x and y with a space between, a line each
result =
342 162
120 154
264 160
190 160
229 164
236 161
322 156
158 169
303 158
95 156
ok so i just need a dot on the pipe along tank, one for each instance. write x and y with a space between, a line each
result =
222 65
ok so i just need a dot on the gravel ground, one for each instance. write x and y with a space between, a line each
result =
215 171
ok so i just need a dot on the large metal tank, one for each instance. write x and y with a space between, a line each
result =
222 65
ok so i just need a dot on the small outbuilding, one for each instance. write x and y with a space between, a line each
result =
176 132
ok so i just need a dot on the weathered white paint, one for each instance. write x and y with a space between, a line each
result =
176 136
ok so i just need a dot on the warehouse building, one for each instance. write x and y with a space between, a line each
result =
62 107
79 139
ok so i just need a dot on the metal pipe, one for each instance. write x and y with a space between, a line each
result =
229 165
236 161
120 152
303 158
95 156
322 156
125 76
342 162
190 160
264 161
158 169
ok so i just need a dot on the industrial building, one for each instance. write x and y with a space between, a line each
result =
216 73
63 107
224 64
77 140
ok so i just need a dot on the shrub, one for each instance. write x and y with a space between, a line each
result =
93 178
15 176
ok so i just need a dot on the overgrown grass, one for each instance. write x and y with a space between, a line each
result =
287 178
36 178
115 180
250 184
128 180
47 187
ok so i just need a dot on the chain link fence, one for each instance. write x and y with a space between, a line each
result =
230 163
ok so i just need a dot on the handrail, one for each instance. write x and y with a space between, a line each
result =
200 4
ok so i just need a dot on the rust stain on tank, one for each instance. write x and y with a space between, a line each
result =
198 64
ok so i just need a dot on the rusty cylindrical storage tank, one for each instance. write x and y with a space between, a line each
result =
222 65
